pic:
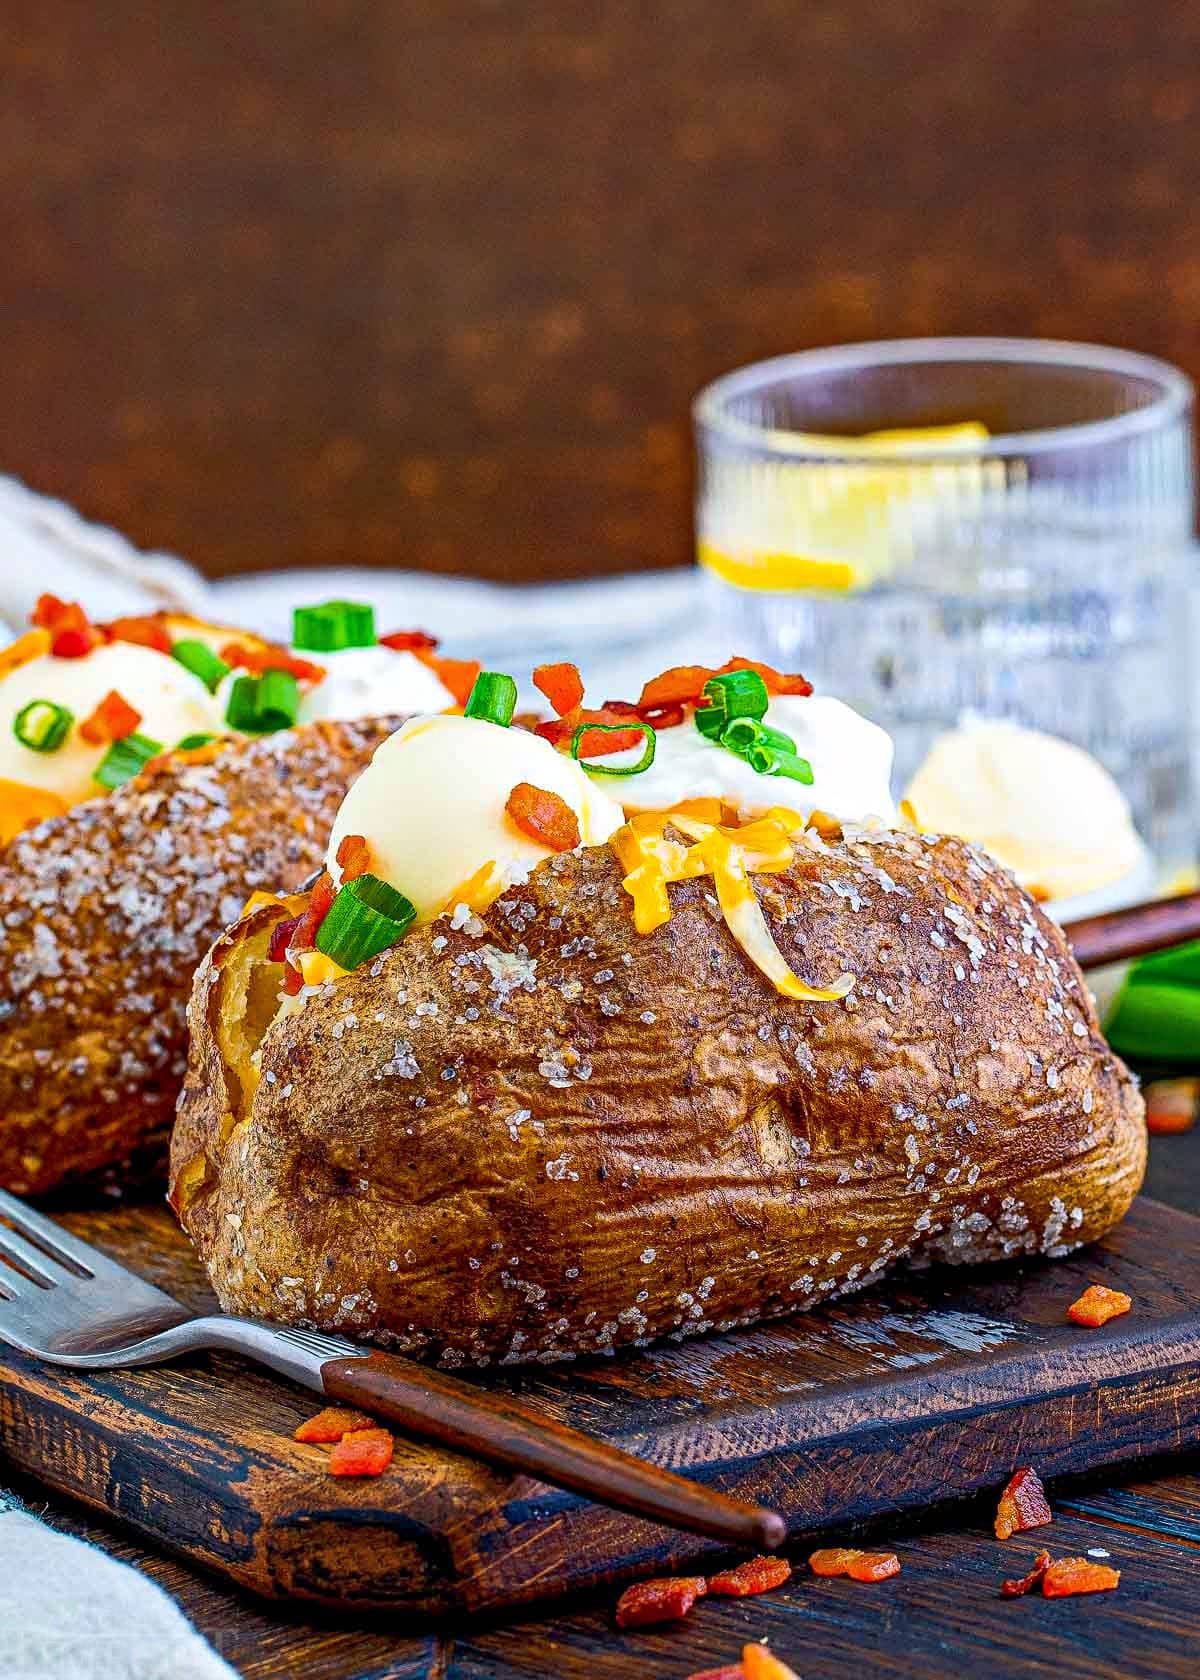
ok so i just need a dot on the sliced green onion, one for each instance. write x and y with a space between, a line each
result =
1180 965
493 697
191 742
744 733
733 694
333 625
260 705
126 759
596 769
365 918
766 760
1156 1022
43 725
202 662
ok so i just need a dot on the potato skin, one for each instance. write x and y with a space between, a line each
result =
107 911
549 1136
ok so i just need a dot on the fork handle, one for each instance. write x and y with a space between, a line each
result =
431 1404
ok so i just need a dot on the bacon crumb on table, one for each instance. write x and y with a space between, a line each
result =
1172 1105
760 1664
331 1424
665 1600
756 1575
1097 1305
858 1565
362 1452
1067 1577
1026 1583
1023 1504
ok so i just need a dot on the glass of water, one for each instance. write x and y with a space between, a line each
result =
934 527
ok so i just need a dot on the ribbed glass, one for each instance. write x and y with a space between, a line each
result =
1031 559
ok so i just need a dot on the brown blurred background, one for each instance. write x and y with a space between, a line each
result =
431 284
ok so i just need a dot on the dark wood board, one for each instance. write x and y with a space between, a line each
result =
927 1389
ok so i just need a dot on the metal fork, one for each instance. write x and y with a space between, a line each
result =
63 1301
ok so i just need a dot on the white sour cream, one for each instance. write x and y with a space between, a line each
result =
371 682
851 760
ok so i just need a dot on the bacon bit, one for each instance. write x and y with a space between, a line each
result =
112 720
323 895
1171 1105
282 935
293 981
1066 1577
332 1424
757 1575
666 1600
32 645
834 1560
1022 1505
561 684
269 657
760 1664
147 630
544 817
362 1452
23 807
409 641
873 1566
683 685
560 732
731 1671
353 857
1018 1589
175 756
457 675
72 635
1097 1305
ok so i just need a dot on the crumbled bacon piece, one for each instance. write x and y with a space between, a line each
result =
409 641
320 900
731 1671
1097 1305
362 1452
353 857
760 1664
658 717
1026 1583
1022 1505
256 660
1172 1105
456 675
833 1560
331 1424
112 720
1066 1577
873 1566
683 685
72 633
543 816
666 1600
561 684
293 981
146 630
756 1575
282 935
595 743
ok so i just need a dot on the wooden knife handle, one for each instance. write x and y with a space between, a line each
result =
438 1407
1135 931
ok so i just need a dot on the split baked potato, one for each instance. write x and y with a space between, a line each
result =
535 1133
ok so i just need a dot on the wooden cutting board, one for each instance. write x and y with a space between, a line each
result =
933 1386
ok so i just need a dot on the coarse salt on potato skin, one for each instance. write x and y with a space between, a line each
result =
542 1135
107 911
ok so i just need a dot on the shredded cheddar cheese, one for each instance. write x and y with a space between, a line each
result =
32 645
315 967
730 855
22 807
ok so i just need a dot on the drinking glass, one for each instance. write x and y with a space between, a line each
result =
1016 543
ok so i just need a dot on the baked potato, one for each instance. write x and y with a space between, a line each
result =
581 1115
108 910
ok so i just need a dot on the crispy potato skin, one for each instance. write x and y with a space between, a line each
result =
108 910
557 1137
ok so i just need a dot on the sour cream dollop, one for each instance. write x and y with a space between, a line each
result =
371 682
172 701
851 760
431 806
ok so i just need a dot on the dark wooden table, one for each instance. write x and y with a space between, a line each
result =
940 1618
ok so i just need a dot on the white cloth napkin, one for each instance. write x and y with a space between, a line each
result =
68 1612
